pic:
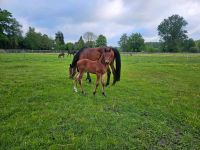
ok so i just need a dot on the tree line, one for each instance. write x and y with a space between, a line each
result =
172 33
173 38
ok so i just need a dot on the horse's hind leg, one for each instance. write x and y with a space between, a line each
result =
88 77
97 83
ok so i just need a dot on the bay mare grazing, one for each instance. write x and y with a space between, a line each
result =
98 67
94 54
62 54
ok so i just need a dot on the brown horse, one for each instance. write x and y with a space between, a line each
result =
61 54
96 67
94 55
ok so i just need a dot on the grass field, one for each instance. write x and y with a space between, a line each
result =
156 105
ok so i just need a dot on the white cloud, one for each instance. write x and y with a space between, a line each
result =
109 17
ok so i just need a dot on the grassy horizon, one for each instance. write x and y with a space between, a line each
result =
156 105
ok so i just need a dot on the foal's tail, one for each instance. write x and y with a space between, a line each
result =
118 64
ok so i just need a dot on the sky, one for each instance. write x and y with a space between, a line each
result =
111 18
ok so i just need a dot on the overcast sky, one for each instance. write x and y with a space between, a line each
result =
111 18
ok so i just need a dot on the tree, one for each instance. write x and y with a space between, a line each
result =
80 43
59 40
188 44
172 33
69 46
89 38
123 42
31 40
10 30
35 40
101 41
198 44
46 42
135 42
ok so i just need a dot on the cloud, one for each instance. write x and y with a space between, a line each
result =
109 17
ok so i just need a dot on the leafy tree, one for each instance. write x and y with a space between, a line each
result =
89 38
59 40
135 42
35 40
31 40
152 46
123 42
10 30
101 41
188 44
80 43
172 32
198 44
46 42
69 46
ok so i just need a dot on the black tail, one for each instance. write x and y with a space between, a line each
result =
76 58
118 64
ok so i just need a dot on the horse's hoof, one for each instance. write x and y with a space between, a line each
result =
94 93
103 94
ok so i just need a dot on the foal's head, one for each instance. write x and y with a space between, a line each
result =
108 55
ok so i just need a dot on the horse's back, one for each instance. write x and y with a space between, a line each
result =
91 54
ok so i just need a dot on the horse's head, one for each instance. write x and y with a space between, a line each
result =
108 55
72 71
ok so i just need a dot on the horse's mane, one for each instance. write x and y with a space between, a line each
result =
76 57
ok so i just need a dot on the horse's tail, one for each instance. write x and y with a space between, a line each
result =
118 64
76 58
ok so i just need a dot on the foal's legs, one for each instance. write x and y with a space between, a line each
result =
79 81
75 82
97 83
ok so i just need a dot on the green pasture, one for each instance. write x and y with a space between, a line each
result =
156 105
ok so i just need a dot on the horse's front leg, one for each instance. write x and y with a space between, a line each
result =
88 77
108 76
114 72
97 83
80 81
